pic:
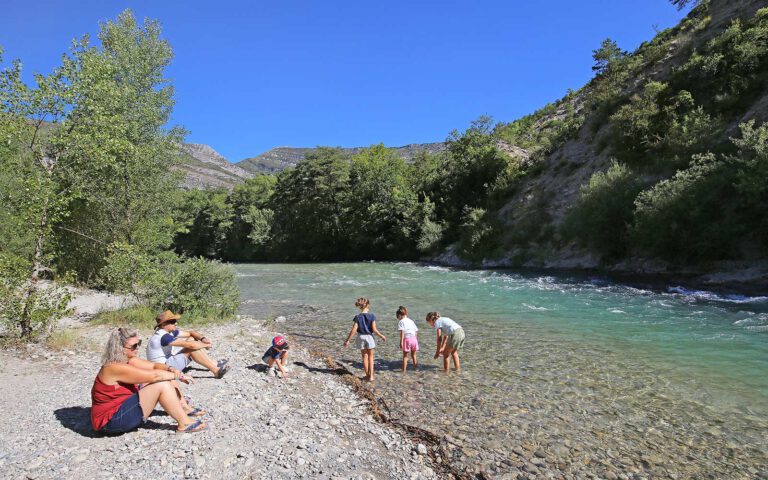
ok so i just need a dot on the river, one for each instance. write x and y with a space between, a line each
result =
591 374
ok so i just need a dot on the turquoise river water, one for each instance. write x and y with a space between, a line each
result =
600 376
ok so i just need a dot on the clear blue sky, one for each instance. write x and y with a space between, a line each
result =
253 75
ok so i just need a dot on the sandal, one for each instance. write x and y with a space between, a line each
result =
196 412
198 426
222 371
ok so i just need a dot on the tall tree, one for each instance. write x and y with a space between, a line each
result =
123 152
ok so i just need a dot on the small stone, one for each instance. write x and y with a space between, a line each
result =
421 448
301 461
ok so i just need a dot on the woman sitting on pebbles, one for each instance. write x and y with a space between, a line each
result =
127 389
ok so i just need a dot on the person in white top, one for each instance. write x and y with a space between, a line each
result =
409 342
178 348
450 339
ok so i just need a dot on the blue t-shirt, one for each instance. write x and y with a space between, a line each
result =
364 323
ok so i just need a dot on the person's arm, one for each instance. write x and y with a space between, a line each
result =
440 338
197 336
402 340
376 331
351 332
147 365
280 366
125 373
190 344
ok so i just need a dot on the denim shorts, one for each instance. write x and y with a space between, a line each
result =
127 417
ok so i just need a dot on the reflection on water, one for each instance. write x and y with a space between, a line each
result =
593 376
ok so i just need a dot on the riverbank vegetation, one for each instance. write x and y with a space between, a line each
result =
87 184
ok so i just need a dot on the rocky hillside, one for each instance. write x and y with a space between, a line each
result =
281 158
582 134
203 167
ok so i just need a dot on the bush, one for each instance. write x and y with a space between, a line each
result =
689 217
28 309
479 234
194 286
602 214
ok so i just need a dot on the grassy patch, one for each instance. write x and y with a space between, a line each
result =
144 318
69 339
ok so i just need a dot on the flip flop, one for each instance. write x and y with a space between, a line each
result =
196 412
198 426
222 371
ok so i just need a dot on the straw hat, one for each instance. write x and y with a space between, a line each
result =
165 317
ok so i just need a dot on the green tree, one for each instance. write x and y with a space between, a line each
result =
384 214
35 124
472 166
250 233
121 151
607 55
602 215
309 204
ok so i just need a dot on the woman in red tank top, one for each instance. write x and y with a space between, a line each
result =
119 403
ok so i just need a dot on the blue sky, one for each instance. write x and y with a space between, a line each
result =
253 75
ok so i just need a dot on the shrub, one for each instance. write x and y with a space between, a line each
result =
687 218
28 308
479 234
602 214
194 286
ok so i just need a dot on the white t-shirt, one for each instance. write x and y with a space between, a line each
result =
158 348
408 326
447 325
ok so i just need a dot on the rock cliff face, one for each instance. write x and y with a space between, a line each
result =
203 167
281 158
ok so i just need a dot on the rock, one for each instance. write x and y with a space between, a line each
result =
421 449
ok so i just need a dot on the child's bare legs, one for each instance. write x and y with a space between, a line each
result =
413 357
163 393
446 359
405 361
370 365
456 362
364 354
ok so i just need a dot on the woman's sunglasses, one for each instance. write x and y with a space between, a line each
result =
135 346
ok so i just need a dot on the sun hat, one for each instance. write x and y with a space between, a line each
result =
165 317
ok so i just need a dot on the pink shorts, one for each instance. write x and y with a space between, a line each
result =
410 344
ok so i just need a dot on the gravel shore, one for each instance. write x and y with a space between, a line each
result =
310 426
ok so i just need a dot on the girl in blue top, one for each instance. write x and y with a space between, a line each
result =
365 327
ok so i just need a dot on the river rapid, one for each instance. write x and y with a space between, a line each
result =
559 374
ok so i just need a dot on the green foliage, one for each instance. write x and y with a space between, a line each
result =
606 56
479 234
472 166
602 215
546 129
28 308
194 286
139 316
675 219
309 207
660 129
732 69
208 217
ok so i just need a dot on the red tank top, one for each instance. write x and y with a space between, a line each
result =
106 400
